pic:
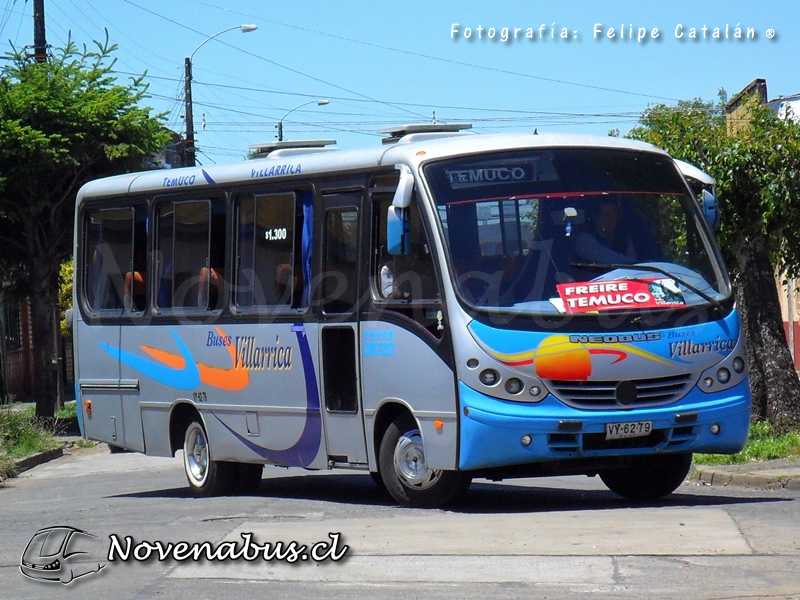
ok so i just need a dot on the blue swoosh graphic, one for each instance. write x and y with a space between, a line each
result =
207 176
303 452
186 378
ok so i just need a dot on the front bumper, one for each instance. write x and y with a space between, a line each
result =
492 430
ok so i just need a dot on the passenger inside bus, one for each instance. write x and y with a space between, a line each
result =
211 281
135 297
605 241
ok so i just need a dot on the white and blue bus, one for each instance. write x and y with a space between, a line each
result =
441 307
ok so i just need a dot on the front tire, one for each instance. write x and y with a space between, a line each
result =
206 476
405 472
649 478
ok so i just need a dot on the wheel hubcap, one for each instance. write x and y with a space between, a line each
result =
409 462
197 455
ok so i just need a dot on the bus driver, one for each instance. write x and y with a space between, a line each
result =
605 243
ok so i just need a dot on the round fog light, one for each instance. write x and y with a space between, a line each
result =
489 377
723 375
526 440
738 364
715 429
535 390
514 386
708 382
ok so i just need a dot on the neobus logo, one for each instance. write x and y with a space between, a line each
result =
613 339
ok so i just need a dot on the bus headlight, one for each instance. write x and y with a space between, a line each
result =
723 375
738 364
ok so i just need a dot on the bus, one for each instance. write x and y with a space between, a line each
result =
427 310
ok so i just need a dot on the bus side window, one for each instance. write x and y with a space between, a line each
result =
405 277
135 298
108 243
211 284
184 241
269 268
405 284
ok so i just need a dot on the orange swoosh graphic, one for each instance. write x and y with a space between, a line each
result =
232 379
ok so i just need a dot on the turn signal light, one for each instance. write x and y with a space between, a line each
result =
87 406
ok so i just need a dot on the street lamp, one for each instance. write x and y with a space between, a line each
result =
189 151
280 123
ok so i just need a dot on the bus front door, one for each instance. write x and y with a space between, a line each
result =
339 329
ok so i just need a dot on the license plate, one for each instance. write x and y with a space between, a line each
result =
618 431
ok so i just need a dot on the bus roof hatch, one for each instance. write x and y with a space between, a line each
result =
395 134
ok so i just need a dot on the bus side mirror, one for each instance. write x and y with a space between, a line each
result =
405 187
397 229
397 220
68 319
710 209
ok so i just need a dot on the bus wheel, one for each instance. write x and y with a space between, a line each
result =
406 474
206 476
649 477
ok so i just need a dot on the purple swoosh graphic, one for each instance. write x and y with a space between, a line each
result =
302 453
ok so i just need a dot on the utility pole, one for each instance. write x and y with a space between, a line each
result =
39 40
189 150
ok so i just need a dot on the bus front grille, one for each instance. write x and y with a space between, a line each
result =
603 395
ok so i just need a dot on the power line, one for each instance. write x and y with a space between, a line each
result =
272 62
445 60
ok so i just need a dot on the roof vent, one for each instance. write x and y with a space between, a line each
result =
397 133
289 147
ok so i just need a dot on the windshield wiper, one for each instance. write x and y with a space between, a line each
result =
601 267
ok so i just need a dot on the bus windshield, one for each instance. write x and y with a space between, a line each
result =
574 230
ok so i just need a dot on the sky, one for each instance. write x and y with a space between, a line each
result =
383 64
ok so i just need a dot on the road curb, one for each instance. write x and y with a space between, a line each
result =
40 458
762 481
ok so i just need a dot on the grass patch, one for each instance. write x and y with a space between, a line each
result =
762 444
21 434
6 467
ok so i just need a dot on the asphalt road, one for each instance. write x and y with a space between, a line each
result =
554 538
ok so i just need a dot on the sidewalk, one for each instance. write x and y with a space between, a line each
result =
764 475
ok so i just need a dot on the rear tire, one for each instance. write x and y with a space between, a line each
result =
405 473
649 478
206 476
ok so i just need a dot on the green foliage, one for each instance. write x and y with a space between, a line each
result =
755 160
70 411
22 434
7 468
762 444
63 122
65 292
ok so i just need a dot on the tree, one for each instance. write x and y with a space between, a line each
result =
63 122
756 163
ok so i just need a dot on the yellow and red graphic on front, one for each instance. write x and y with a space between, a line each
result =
556 357
620 294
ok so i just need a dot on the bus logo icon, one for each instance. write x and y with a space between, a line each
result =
62 554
